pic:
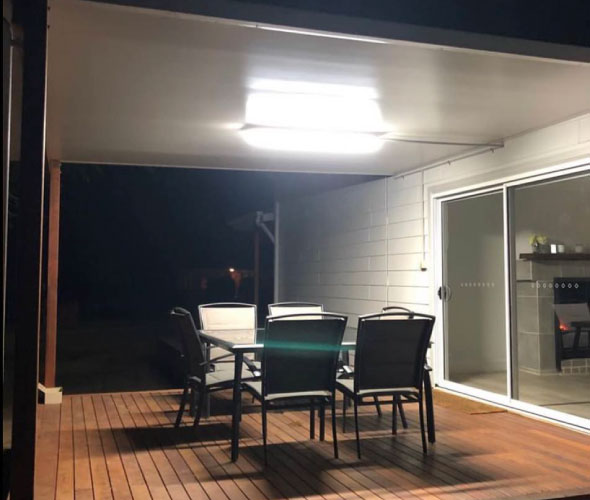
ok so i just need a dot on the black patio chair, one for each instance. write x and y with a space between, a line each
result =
348 373
398 309
400 406
202 376
389 361
299 363
227 316
284 308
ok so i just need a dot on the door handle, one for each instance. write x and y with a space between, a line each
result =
444 293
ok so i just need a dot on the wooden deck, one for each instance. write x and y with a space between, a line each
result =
124 446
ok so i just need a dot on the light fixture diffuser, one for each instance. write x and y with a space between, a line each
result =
313 112
311 141
313 117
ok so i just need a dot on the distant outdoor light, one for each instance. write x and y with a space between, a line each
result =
313 117
231 270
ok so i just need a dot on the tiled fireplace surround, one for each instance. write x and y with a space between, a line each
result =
535 315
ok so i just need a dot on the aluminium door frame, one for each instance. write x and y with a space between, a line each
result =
441 353
503 185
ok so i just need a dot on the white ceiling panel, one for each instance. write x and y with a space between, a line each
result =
133 86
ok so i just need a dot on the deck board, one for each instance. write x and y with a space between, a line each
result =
124 446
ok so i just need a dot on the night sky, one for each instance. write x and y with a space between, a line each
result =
128 234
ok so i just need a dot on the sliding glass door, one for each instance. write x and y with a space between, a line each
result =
514 290
473 292
550 280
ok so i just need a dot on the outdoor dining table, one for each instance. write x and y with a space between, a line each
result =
240 342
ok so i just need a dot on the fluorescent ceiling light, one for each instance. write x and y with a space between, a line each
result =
313 117
317 88
313 112
313 141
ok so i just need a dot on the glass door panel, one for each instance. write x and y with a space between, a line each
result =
550 262
473 292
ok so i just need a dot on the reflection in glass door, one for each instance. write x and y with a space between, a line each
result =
550 263
473 292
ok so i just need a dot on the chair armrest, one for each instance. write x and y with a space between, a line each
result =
214 360
345 371
252 367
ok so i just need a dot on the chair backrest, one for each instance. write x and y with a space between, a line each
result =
192 346
288 308
391 350
300 355
398 309
227 316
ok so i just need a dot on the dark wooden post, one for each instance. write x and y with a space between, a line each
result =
52 273
30 223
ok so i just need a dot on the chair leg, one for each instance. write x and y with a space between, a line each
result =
193 402
356 428
394 415
312 420
429 409
378 406
421 405
402 413
344 405
334 438
199 410
264 431
182 405
322 421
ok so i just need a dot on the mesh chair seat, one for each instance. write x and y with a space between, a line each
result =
225 376
256 389
347 386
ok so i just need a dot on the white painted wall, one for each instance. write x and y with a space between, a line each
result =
333 249
360 248
556 210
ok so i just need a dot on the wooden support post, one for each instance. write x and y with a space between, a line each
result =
52 273
256 266
33 14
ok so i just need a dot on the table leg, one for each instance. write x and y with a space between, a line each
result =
429 407
237 406
207 399
346 361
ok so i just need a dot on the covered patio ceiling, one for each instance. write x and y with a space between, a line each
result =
145 87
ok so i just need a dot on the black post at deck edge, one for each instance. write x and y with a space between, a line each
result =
32 14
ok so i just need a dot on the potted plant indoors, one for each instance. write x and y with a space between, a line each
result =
538 243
